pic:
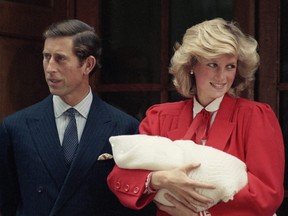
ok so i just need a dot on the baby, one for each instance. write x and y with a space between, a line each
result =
226 172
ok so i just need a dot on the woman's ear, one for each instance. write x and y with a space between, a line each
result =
90 63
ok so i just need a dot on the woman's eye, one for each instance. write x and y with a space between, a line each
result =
212 65
230 67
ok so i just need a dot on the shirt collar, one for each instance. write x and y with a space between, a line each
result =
212 107
82 108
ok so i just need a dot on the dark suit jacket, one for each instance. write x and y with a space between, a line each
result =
34 180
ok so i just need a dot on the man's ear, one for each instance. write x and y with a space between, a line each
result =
89 64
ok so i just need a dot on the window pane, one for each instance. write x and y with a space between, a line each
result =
175 96
284 78
42 3
133 103
282 211
131 41
284 125
185 13
283 114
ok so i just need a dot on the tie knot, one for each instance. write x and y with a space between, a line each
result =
70 112
205 113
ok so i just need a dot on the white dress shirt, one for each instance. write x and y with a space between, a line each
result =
81 115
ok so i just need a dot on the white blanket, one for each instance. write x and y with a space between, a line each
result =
226 172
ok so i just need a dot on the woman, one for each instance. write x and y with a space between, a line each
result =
214 64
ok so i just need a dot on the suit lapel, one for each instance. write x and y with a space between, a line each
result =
223 126
45 135
97 130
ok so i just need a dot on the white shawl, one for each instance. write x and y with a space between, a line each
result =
226 172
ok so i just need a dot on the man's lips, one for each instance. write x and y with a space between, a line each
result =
53 81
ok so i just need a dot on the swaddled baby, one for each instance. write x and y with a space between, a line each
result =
226 172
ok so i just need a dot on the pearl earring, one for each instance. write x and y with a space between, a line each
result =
191 72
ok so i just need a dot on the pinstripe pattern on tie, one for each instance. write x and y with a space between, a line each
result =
70 140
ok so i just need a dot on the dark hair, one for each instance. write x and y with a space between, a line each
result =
85 40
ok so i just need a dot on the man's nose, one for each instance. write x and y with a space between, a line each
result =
50 65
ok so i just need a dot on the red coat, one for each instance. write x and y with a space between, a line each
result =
246 129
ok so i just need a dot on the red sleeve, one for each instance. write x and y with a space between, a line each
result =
161 118
260 139
150 125
129 185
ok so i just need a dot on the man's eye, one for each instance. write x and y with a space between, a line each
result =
46 56
59 58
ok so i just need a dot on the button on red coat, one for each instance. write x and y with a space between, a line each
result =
136 190
126 188
117 185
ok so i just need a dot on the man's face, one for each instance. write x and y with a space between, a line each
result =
64 74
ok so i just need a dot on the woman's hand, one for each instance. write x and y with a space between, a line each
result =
177 210
178 182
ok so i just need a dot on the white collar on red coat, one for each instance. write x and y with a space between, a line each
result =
212 107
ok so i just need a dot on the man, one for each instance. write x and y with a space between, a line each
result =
37 175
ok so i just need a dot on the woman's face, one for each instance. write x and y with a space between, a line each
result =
214 77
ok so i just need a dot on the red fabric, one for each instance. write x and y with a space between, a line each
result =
198 130
246 129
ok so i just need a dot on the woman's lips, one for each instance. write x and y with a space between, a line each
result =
218 85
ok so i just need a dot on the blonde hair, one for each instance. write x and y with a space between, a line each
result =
208 40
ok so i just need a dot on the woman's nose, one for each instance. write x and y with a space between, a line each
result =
220 73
